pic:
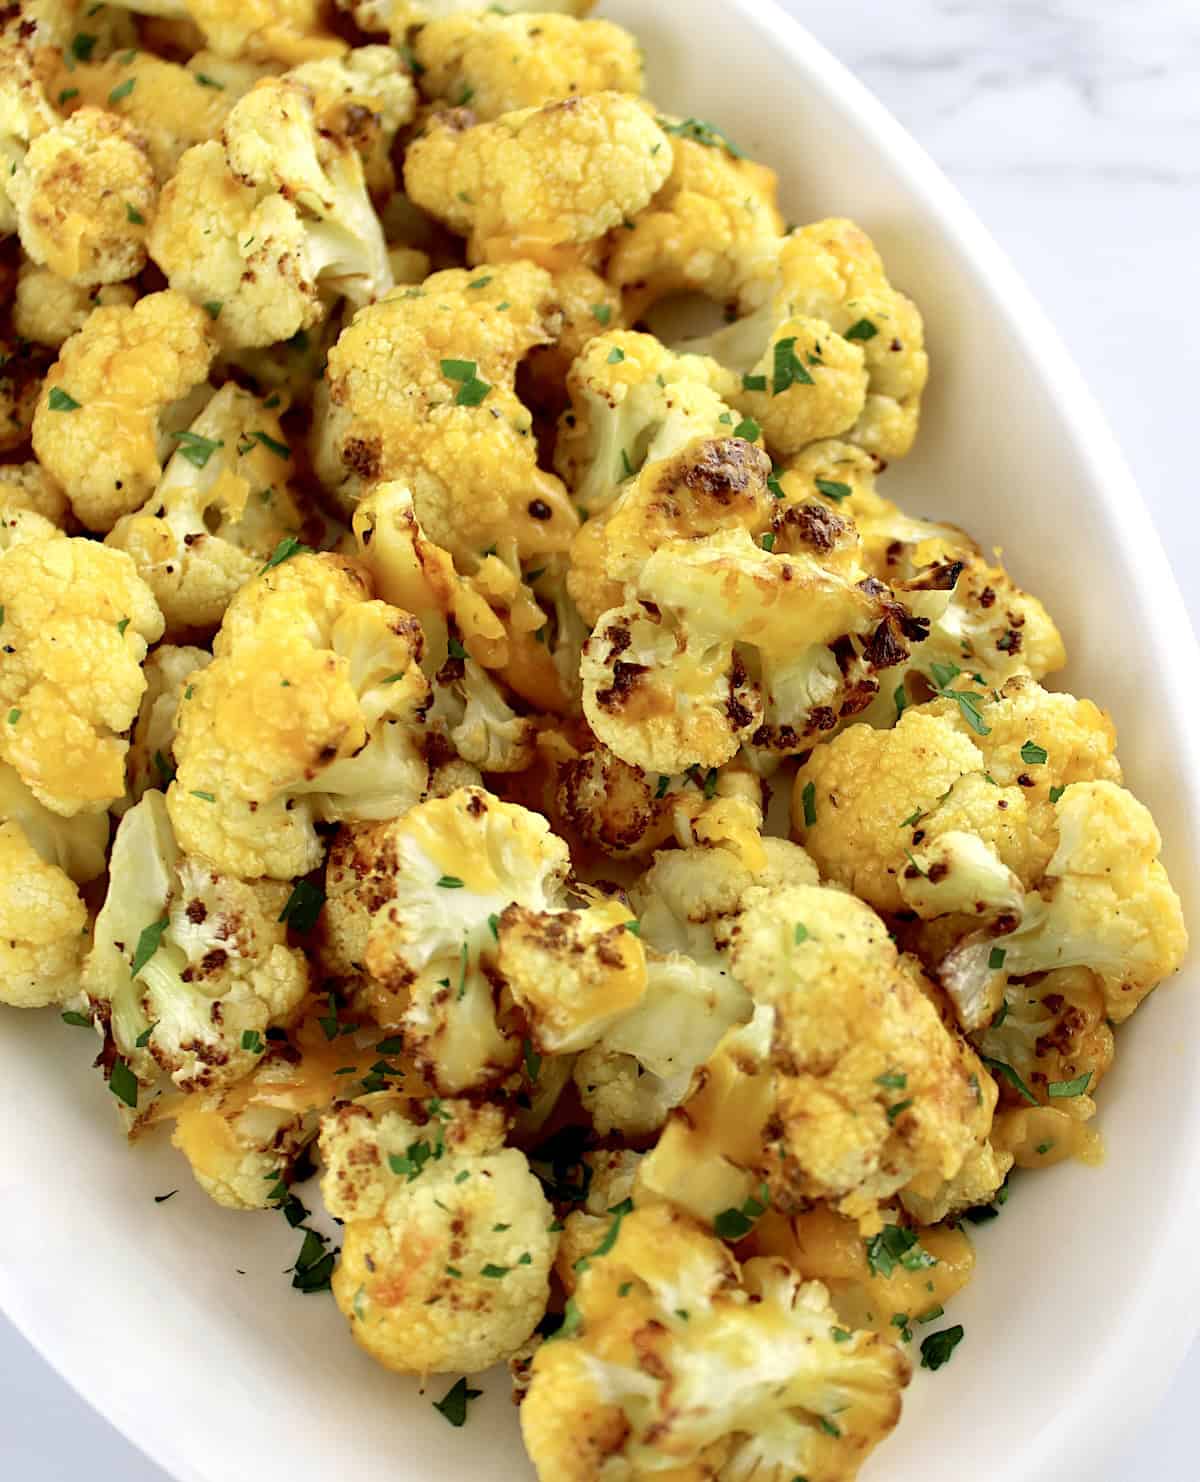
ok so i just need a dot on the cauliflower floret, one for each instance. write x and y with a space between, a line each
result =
83 194
420 388
311 709
189 967
76 846
256 30
587 305
151 759
271 220
43 925
25 111
870 1088
484 729
835 351
366 96
673 1352
567 172
496 63
713 228
221 507
109 408
27 486
22 367
170 106
1105 903
77 623
435 882
49 309
633 402
398 17
448 1245
867 804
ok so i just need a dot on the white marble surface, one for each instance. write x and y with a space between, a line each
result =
1073 127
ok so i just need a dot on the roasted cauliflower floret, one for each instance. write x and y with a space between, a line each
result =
420 388
713 227
221 508
269 223
287 31
633 402
834 351
77 622
25 110
312 709
189 967
22 367
43 924
564 173
673 1353
398 17
84 195
113 399
435 883
151 761
27 486
49 309
448 1242
495 63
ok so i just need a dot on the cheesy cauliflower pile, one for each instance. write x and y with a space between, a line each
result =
400 648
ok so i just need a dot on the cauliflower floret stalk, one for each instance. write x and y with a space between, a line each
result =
116 396
498 62
271 223
84 193
420 389
1105 904
77 622
76 845
313 708
633 402
220 509
151 761
398 17
671 1354
189 968
834 351
538 178
713 228
448 1241
435 883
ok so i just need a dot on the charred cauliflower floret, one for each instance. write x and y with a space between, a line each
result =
113 400
272 221
565 173
494 62
84 195
77 622
434 884
633 402
834 351
420 388
673 1353
220 509
312 709
168 670
712 228
448 1237
189 967
49 309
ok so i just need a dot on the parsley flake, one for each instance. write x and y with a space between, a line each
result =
1002 1069
862 330
288 547
799 933
896 1245
749 429
833 490
601 313
62 401
450 882
1064 1090
700 132
808 800
133 215
81 1021
196 449
1034 755
122 90
303 906
996 959
937 1349
123 1083
788 369
736 1224
147 945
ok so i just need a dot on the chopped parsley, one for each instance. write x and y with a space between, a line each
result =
931 1314
618 1212
788 370
314 1264
67 94
303 906
602 313
841 1335
1056 793
143 1039
833 490
736 1224
862 330
205 797
808 799
1001 1068
937 1349
898 1110
829 1427
901 1321
533 1061
82 46
749 429
14 715
700 132
799 933
450 882
122 625
281 450
206 81
133 215
147 945
900 700
1034 755
455 649
62 401
913 818
893 1080
480 282
996 959
72 1016
754 383
196 449
1064 1090
252 1041
123 1083
122 90
471 390
895 1245
616 355
663 787
288 547
768 541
